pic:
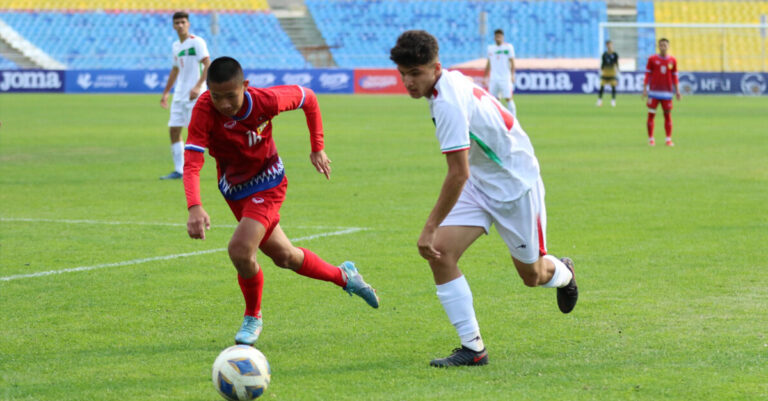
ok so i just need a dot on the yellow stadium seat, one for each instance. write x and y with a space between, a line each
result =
702 50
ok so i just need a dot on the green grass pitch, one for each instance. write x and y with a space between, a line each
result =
669 245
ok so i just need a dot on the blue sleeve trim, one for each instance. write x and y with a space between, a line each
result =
303 96
195 148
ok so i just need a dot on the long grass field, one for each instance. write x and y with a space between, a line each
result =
104 297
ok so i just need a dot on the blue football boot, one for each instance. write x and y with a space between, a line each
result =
249 331
356 285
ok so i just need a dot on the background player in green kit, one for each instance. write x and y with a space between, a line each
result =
609 73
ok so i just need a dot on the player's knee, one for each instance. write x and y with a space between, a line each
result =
240 253
444 262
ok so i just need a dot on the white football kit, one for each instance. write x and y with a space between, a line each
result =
500 80
187 57
504 186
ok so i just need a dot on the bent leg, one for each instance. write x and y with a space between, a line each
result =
451 242
303 261
243 245
547 271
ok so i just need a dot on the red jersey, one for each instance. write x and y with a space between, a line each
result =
246 156
661 77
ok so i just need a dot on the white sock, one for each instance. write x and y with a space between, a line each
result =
177 152
562 275
456 298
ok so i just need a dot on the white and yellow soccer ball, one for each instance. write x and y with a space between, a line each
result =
241 373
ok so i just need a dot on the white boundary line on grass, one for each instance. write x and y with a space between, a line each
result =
128 223
166 257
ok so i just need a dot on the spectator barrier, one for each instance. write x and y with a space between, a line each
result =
370 81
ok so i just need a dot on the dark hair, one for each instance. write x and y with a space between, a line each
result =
414 48
224 69
663 40
608 41
498 31
180 15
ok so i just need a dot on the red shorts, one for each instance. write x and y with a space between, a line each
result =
263 206
666 105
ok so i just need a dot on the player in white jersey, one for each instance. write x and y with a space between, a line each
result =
190 66
493 178
500 69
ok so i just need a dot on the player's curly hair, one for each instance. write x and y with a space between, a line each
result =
224 69
414 48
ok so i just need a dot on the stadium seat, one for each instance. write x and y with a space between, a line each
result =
142 39
6 64
700 49
134 5
362 32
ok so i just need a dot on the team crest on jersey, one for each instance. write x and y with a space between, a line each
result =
262 126
671 65
230 124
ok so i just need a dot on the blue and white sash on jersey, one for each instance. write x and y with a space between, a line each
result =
661 95
268 178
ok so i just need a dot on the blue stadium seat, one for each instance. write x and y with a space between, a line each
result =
6 64
362 32
138 40
646 43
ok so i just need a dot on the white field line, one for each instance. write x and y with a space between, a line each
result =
166 257
134 223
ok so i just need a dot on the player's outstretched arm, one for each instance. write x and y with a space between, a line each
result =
321 162
198 222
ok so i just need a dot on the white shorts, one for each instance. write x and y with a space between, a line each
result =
181 112
522 223
500 88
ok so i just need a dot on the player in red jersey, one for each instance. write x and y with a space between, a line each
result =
234 122
659 87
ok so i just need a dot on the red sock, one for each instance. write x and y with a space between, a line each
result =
651 116
668 124
251 288
317 268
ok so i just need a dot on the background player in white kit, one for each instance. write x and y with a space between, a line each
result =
190 65
500 70
493 178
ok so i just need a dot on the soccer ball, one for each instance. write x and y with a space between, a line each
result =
241 373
